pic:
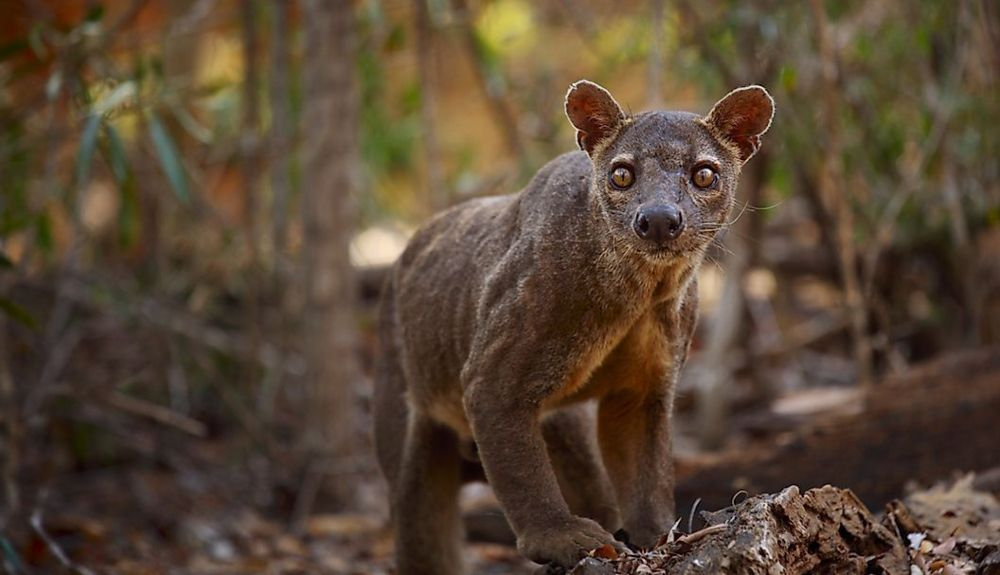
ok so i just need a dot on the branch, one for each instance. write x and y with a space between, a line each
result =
833 192
502 113
158 413
54 548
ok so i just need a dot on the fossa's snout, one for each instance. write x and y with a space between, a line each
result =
659 223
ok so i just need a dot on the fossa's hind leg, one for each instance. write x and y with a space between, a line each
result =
389 409
571 437
421 463
425 502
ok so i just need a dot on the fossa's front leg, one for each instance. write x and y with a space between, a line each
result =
635 421
513 452
506 382
635 439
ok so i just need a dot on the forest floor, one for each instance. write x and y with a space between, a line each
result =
202 508
149 522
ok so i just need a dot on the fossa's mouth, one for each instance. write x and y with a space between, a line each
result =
680 247
663 254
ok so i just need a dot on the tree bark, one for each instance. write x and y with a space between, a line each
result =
654 62
281 116
433 182
250 151
10 498
330 124
728 324
834 193
503 115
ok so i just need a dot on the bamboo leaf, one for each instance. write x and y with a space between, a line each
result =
191 125
128 214
36 43
12 557
169 159
121 94
117 159
43 232
85 154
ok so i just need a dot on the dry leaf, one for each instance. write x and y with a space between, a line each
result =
945 547
606 552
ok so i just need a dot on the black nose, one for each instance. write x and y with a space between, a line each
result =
659 223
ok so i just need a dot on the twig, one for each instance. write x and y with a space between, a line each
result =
54 548
157 413
654 63
250 148
692 538
582 21
433 181
705 43
178 322
316 471
834 194
58 356
804 334
694 507
281 118
10 435
504 117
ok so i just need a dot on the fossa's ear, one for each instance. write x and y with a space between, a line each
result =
742 117
594 113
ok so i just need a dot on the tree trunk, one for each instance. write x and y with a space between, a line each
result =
835 194
330 123
435 195
654 61
281 135
9 437
250 152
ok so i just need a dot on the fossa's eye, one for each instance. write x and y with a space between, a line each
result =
621 177
704 177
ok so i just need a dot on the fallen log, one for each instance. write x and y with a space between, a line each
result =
921 427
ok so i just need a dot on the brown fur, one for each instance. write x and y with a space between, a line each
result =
507 319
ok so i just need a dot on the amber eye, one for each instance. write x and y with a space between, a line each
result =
621 177
704 177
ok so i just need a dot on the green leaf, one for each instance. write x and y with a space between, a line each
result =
121 93
94 14
17 313
166 152
85 155
128 215
12 48
191 125
43 232
117 159
36 42
12 557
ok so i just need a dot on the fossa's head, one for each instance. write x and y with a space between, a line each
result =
666 181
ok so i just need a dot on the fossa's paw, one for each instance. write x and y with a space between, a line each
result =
564 543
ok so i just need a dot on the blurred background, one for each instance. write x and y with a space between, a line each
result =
199 200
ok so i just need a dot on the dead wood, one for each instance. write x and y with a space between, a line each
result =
946 529
824 530
920 427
